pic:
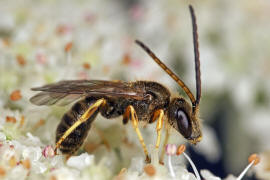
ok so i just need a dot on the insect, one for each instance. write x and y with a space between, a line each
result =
139 101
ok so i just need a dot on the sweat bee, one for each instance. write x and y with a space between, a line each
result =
139 101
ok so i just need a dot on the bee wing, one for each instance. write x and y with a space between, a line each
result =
51 98
65 92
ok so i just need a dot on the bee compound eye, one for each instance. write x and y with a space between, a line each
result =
181 116
183 123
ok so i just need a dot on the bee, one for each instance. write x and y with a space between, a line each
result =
139 101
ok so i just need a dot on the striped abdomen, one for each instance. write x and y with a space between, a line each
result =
73 142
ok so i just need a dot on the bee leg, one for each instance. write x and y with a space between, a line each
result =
130 112
161 160
82 119
159 114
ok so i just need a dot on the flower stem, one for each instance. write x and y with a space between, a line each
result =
193 166
245 171
170 167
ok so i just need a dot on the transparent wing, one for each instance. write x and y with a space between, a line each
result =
65 92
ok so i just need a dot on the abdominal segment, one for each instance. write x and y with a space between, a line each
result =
74 140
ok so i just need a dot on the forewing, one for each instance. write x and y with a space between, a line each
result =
51 98
64 92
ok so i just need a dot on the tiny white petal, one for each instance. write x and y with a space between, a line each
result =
57 161
32 153
80 161
2 137
208 175
262 169
38 167
230 177
65 174
7 153
18 172
137 164
33 139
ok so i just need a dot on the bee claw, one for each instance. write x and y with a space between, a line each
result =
125 120
161 162
147 160
55 151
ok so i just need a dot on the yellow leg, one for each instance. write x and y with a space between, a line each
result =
131 111
160 114
164 144
82 119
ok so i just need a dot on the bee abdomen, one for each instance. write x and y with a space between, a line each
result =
75 139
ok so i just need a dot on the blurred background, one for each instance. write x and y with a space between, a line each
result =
47 41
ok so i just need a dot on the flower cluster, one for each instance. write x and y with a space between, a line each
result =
172 150
47 41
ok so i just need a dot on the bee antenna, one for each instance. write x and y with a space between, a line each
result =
197 56
168 71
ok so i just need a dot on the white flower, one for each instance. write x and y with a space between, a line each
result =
39 33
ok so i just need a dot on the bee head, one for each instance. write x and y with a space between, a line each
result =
184 119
